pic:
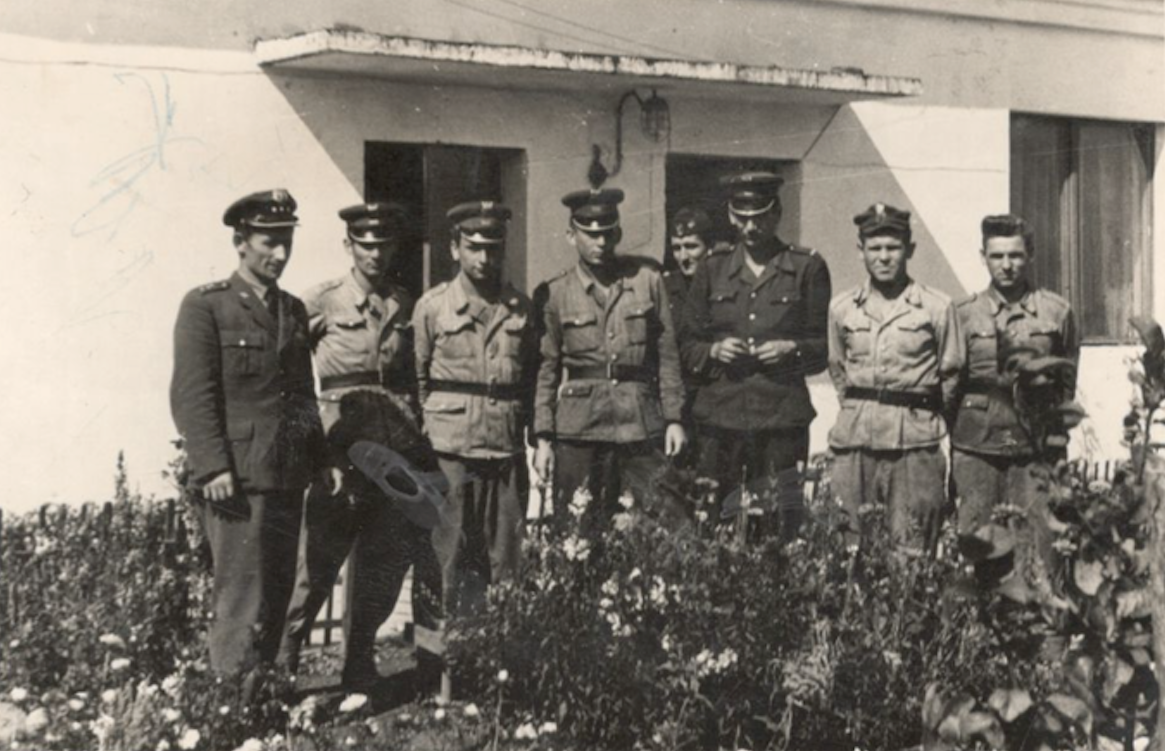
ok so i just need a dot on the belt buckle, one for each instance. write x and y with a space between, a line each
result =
883 395
611 371
491 389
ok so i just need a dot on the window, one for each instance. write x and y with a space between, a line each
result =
1085 188
430 179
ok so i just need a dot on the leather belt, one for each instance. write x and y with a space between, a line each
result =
931 401
611 371
390 381
511 391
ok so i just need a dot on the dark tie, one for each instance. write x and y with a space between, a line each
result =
271 300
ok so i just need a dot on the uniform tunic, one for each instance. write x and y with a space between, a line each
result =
243 400
463 340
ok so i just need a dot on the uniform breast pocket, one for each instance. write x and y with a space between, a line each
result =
455 339
981 346
580 332
396 343
637 322
915 336
1044 338
242 351
510 338
858 339
722 308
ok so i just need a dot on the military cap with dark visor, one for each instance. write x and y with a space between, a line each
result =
594 210
752 193
882 219
268 209
480 221
374 223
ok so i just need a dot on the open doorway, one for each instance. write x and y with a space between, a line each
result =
430 179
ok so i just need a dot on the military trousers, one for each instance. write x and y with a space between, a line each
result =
253 547
764 462
480 541
368 529
909 483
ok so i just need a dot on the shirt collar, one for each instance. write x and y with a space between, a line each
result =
356 293
911 295
1027 302
782 260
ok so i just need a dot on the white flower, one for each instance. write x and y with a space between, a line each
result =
658 591
352 702
112 640
251 744
622 522
526 732
576 549
171 685
109 695
224 710
580 501
37 720
14 644
121 663
547 728
665 642
189 739
503 675
101 727
171 715
163 745
610 587
471 710
635 574
701 516
18 694
76 705
349 741
627 500
439 715
606 603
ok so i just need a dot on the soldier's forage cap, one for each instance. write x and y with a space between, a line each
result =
751 193
882 219
480 221
267 209
691 222
594 210
1006 225
374 223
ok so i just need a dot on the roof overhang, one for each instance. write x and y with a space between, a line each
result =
438 63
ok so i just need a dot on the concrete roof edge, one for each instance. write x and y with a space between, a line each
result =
273 52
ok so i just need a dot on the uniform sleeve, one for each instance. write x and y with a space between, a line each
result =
422 348
694 325
817 289
836 351
196 391
316 321
671 382
550 362
308 406
952 354
531 358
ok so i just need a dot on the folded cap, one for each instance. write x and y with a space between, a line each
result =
264 210
480 221
689 221
373 223
751 193
594 210
882 219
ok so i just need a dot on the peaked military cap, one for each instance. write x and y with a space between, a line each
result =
1006 225
751 193
372 223
688 221
881 219
480 221
594 210
264 210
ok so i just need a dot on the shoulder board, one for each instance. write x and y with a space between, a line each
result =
560 275
319 290
802 250
214 287
434 290
1054 298
932 292
967 300
720 248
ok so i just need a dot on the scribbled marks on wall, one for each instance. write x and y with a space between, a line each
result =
120 185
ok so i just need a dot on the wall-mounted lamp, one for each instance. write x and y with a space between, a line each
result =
654 121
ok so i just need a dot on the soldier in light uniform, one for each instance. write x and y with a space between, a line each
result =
609 386
993 450
475 354
895 352
243 399
360 332
753 328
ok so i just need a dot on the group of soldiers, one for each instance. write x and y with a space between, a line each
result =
413 451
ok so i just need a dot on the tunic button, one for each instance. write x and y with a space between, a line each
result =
752 316
242 342
784 299
610 334
614 356
752 294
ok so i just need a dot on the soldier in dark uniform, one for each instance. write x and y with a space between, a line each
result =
993 450
475 354
753 328
360 332
689 243
243 399
609 386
